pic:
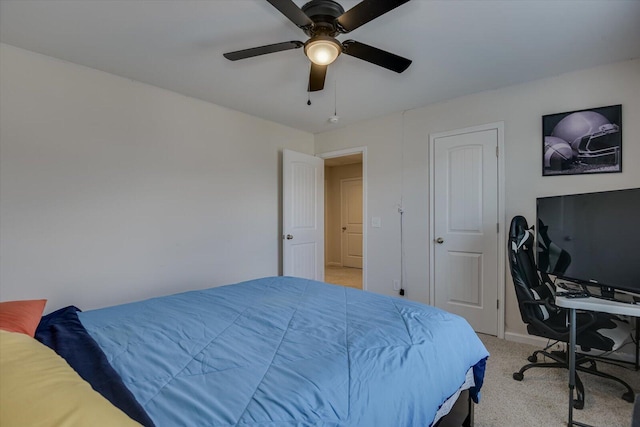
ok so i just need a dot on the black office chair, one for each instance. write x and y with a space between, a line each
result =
535 293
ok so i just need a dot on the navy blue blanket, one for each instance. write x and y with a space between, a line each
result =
63 332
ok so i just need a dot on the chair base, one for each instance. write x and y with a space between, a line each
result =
560 361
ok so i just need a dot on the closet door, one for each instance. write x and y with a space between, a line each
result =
465 240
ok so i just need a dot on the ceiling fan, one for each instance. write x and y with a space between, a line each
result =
322 21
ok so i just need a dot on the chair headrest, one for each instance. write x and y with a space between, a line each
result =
520 235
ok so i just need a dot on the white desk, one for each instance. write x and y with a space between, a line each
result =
589 304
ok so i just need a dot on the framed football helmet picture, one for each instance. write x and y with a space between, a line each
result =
583 141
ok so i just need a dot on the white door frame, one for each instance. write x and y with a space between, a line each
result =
346 152
499 126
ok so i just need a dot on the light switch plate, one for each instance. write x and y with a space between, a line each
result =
376 222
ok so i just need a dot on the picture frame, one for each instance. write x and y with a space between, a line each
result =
582 141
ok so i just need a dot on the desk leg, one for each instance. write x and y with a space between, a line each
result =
572 361
637 343
572 367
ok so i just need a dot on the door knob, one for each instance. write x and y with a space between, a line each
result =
439 240
344 228
289 236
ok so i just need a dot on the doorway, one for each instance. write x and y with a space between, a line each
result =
345 233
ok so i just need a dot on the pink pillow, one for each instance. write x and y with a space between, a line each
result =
21 316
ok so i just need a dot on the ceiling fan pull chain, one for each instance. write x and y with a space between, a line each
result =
335 98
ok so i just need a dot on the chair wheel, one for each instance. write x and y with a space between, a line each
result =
629 397
533 358
518 376
578 404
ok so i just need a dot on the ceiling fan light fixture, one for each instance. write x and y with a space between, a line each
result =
322 50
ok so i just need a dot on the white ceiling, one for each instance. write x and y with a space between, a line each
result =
457 48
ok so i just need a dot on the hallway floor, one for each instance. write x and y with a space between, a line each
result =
345 276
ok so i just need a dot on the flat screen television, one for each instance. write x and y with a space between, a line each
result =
591 238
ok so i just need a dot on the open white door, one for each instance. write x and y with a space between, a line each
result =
303 215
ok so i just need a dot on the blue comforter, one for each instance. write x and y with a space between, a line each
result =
283 351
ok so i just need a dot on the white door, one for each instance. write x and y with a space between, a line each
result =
351 206
303 215
465 240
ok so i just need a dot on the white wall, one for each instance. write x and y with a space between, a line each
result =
112 190
398 166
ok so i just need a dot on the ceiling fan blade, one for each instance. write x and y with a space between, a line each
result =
262 50
316 77
365 11
289 9
376 56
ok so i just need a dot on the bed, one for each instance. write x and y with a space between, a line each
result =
276 351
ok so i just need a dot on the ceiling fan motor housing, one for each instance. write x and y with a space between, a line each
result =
323 13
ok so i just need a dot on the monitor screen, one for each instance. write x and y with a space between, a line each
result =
591 238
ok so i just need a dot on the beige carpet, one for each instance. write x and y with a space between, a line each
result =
542 397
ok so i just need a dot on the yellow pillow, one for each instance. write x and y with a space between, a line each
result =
39 388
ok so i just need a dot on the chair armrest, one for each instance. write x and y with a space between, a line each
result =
551 308
592 319
564 333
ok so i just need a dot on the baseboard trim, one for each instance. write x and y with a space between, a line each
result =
525 339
